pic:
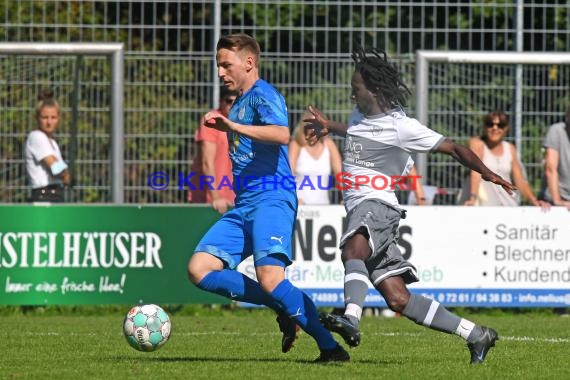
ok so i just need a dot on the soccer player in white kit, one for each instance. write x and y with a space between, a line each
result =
378 148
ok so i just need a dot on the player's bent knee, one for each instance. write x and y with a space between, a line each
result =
353 254
268 285
200 264
269 277
194 274
356 248
397 302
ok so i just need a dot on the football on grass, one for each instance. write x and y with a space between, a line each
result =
146 327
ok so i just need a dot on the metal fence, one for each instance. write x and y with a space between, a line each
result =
454 89
169 73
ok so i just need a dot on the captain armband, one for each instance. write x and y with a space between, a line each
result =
58 167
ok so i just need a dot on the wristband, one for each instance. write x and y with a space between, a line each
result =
58 167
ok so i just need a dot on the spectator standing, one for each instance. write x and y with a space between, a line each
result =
47 171
313 162
213 160
556 183
501 157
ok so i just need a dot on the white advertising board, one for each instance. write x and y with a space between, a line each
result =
465 256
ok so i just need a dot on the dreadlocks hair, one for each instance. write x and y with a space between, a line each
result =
380 77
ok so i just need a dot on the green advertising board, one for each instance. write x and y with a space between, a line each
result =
100 254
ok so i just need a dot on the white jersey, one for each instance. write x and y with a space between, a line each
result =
39 146
378 151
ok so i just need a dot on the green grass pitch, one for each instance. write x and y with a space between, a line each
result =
246 345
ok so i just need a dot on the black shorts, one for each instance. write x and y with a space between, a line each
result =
49 193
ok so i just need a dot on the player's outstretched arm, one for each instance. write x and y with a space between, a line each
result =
321 125
469 159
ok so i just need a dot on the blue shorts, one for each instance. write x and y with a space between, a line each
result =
259 230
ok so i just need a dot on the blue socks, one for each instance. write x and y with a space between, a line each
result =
238 287
300 307
285 298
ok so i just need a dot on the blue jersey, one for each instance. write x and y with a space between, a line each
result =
261 170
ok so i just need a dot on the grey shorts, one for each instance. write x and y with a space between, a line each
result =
380 221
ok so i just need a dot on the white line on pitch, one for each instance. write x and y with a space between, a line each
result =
229 333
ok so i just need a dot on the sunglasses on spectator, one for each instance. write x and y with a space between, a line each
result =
491 124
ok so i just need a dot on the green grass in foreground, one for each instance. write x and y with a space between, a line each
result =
246 345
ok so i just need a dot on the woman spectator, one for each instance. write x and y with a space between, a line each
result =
501 157
315 162
47 171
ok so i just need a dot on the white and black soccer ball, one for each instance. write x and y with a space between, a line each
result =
147 327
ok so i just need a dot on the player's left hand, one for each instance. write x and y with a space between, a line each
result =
498 180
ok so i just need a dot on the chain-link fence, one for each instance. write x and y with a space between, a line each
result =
169 74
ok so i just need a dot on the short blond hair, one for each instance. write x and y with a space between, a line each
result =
238 42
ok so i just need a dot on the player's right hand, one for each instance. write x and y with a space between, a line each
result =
316 126
217 121
221 205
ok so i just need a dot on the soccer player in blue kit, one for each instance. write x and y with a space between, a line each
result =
262 222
